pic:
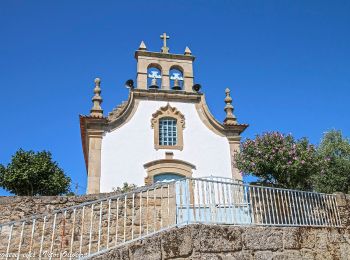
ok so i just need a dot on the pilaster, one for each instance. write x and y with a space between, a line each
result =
94 161
165 80
234 142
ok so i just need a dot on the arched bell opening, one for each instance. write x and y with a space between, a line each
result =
154 76
176 78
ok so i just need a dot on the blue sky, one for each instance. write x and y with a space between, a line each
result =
287 64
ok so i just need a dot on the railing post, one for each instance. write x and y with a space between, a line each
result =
188 200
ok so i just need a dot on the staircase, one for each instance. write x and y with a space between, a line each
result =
91 227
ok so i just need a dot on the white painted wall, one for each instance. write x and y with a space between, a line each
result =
128 148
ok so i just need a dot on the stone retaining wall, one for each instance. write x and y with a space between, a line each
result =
18 207
232 242
343 204
85 229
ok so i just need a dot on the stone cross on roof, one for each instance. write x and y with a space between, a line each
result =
164 37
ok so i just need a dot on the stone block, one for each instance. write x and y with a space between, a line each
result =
120 253
263 238
177 243
263 255
287 255
336 235
322 240
243 255
308 237
341 199
146 249
324 255
307 254
291 238
218 239
210 256
344 251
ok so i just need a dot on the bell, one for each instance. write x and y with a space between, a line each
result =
176 85
154 84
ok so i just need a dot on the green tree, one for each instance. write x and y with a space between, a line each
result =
279 160
335 150
125 188
33 173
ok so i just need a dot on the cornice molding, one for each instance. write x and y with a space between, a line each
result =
172 57
166 95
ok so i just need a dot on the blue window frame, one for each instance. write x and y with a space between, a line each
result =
167 131
167 177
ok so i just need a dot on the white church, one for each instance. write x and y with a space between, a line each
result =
164 131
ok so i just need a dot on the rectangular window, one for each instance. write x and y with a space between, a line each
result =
167 131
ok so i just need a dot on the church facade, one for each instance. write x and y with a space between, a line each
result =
164 131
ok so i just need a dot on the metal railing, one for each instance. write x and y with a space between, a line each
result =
221 179
92 227
211 201
82 230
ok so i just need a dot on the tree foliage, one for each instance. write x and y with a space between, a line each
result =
335 176
127 187
279 160
33 173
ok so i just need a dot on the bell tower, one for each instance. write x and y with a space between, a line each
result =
164 70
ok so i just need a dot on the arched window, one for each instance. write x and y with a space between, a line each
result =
168 124
176 78
154 76
167 131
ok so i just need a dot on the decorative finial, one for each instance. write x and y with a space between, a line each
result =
164 37
188 51
142 46
230 117
96 110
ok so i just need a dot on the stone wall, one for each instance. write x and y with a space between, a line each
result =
232 242
84 229
18 207
343 204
